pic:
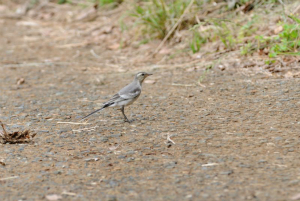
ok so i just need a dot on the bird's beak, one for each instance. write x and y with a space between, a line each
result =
148 74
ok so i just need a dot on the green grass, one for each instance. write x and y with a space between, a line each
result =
243 35
106 2
153 19
99 2
156 17
198 39
219 30
287 42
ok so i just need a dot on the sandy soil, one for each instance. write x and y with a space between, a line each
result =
236 137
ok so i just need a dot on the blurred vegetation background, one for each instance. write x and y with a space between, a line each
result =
265 27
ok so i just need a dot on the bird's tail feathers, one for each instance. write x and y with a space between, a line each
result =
104 106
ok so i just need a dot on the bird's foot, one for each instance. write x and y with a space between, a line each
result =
128 121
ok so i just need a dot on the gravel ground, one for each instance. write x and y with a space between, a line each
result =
235 139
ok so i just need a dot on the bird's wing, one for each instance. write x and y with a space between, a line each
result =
112 100
130 94
124 96
130 91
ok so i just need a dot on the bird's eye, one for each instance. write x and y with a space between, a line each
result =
143 74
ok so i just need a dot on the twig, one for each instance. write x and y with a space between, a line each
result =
77 54
70 45
183 85
112 12
7 178
68 193
209 164
4 131
94 54
34 64
283 8
113 147
173 28
169 139
298 7
86 129
201 85
74 123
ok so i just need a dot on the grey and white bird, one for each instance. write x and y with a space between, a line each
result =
125 96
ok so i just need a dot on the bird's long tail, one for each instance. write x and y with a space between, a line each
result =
104 106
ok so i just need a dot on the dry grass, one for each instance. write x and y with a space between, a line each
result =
16 137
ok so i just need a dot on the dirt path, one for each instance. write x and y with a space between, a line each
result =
235 139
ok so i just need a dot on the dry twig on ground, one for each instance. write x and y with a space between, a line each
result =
15 137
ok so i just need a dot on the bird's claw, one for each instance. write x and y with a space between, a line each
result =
128 121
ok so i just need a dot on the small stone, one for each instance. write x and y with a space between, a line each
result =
62 131
104 139
130 159
202 141
205 195
229 172
116 135
121 156
112 198
207 176
43 131
113 183
131 140
59 93
130 152
49 140
92 139
21 149
171 165
244 166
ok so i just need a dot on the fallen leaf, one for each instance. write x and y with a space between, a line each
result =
53 197
68 193
121 70
27 23
296 197
248 7
277 30
150 81
221 67
91 159
30 38
113 147
114 46
20 81
289 74
165 51
197 56
88 14
107 29
3 8
190 69
2 163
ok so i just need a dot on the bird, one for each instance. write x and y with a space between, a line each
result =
126 96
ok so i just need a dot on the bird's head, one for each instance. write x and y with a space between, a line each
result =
141 76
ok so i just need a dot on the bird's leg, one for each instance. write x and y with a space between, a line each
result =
125 118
